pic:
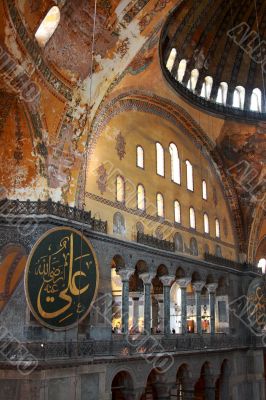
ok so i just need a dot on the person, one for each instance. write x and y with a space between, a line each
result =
173 331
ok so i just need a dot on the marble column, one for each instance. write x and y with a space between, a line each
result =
212 289
166 281
183 283
135 300
125 275
147 278
197 286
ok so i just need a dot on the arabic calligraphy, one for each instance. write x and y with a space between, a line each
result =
61 278
257 304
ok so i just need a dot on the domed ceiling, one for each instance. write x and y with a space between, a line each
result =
223 40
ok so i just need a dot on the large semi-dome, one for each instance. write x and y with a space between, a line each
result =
214 53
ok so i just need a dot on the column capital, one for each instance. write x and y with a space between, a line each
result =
135 295
146 277
125 274
212 287
183 282
198 285
167 280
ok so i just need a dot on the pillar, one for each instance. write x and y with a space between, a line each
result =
160 312
212 289
135 320
166 281
197 286
125 275
183 283
147 278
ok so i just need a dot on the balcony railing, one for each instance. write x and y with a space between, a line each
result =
11 208
121 347
230 263
152 241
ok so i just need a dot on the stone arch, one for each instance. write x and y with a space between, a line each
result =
148 102
122 385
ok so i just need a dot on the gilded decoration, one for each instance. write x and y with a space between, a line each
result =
61 278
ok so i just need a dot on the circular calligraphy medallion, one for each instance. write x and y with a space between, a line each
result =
61 278
256 304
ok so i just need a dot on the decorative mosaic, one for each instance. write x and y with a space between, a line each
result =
102 178
34 51
120 146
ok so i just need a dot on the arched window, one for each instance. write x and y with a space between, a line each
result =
160 159
193 79
141 197
48 26
239 97
255 102
140 157
206 223
207 87
190 184
217 228
160 205
181 70
192 218
262 265
222 93
171 60
178 241
175 163
204 190
177 211
120 189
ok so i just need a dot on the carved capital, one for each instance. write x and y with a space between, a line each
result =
198 285
146 278
212 287
167 280
183 282
125 274
135 295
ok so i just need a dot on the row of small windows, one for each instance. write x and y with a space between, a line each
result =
120 197
175 166
239 92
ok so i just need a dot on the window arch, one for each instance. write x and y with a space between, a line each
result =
190 184
255 102
48 26
192 218
207 87
262 265
177 211
217 228
159 159
171 60
204 190
175 163
120 189
206 223
191 85
239 97
140 157
222 93
160 205
140 197
181 70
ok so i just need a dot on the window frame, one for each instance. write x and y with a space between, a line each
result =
156 158
219 228
144 198
157 208
194 228
177 222
124 189
143 160
191 190
202 184
206 217
171 164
